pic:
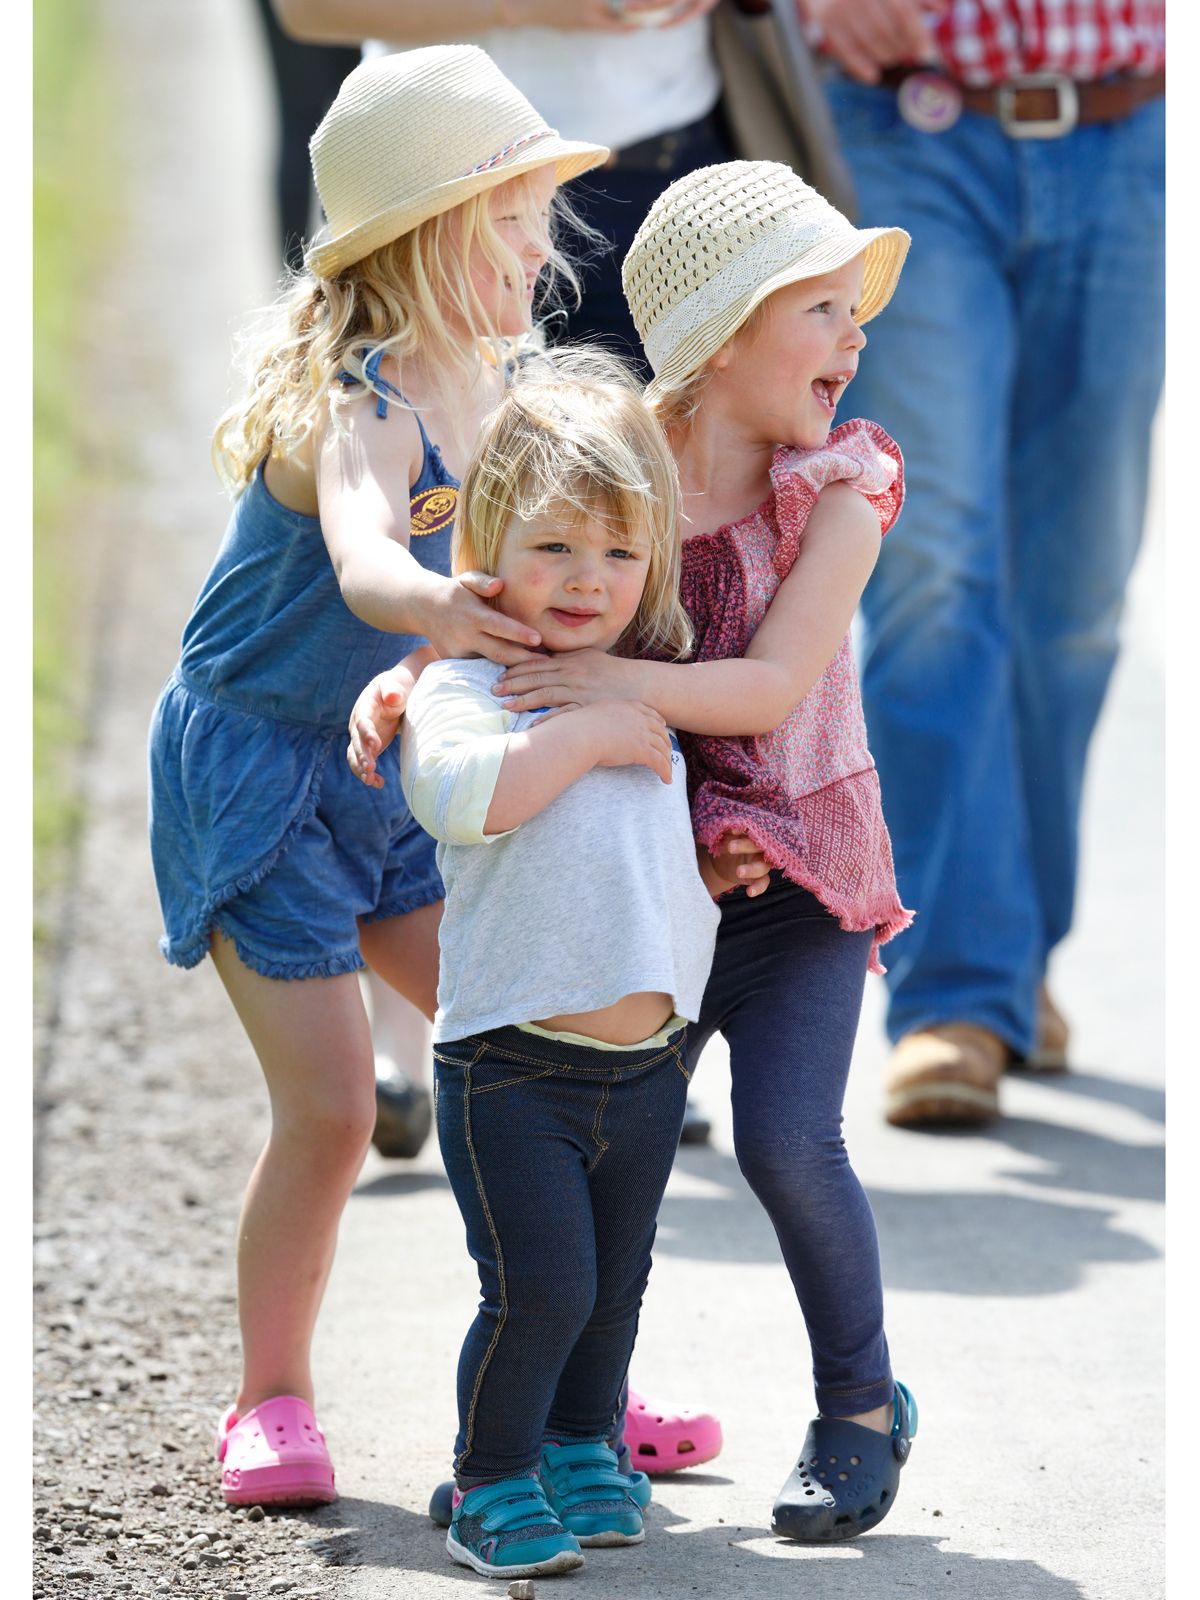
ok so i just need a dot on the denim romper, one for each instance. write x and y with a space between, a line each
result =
258 828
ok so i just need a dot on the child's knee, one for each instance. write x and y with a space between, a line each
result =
335 1125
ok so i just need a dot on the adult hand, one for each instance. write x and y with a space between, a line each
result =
459 624
576 678
866 35
625 733
601 16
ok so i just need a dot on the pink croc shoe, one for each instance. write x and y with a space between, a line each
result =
274 1456
662 1440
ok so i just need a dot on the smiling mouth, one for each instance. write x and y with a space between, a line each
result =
829 390
573 619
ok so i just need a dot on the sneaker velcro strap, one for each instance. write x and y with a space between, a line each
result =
515 1503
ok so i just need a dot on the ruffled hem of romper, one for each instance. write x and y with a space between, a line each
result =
882 912
190 951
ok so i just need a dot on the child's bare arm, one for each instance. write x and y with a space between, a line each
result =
542 761
795 642
365 465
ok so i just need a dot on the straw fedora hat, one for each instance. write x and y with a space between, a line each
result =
411 135
719 241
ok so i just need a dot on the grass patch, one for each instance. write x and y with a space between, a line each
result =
74 188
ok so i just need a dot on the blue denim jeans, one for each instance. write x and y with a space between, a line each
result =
558 1155
1019 367
785 991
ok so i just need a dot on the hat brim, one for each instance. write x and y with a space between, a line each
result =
570 158
884 249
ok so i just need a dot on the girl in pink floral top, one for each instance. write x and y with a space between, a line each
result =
749 290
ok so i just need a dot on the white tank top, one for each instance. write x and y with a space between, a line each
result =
607 88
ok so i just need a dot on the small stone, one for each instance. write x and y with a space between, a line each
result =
79 1572
235 1594
255 1514
198 1541
169 1444
279 1585
209 1558
190 1564
937 1513
522 1589
114 1513
159 1489
41 1533
55 1549
153 1541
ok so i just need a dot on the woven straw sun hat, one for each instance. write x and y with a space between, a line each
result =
413 134
720 240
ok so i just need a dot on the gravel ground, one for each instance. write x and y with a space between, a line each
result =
149 1109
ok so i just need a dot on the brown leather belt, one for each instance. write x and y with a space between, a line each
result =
1045 105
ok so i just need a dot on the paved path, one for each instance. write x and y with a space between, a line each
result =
1023 1267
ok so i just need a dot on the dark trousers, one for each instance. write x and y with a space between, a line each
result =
614 201
785 991
558 1155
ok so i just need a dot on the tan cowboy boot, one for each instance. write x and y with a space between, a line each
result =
1053 1037
1049 1053
945 1076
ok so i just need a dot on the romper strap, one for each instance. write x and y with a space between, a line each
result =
371 368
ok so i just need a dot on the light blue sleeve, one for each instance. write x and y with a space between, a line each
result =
452 745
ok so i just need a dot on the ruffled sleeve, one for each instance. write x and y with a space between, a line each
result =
858 452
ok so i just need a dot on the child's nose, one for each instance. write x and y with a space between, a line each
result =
586 574
856 338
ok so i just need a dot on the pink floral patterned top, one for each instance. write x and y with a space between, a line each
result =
808 793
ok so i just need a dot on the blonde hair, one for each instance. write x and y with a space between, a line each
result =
397 301
676 406
573 437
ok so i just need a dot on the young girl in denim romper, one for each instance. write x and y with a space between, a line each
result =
748 290
436 176
575 946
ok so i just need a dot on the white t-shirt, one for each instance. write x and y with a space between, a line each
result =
596 897
613 89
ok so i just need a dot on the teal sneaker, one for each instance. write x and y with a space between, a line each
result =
594 1501
507 1530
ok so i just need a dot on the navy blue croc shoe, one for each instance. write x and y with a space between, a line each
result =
846 1479
441 1505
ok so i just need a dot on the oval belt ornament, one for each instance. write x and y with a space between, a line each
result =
929 102
432 509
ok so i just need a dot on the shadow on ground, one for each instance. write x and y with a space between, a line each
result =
681 1561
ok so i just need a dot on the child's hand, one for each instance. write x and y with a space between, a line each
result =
580 677
625 733
459 623
736 862
375 718
374 723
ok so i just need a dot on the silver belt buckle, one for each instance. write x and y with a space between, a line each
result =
1054 127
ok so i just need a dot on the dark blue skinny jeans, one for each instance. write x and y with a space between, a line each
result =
558 1155
786 991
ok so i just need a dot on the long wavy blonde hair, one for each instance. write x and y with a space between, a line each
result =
412 297
573 438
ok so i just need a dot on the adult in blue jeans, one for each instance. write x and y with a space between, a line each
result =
1020 367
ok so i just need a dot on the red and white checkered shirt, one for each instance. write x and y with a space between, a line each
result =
989 41
983 42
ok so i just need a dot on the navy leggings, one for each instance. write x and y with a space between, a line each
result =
785 991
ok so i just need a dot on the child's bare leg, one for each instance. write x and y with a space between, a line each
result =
314 1045
403 951
399 1030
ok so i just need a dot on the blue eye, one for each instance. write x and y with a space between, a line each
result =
554 546
824 305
